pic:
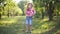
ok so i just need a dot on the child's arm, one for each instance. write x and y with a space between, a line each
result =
34 11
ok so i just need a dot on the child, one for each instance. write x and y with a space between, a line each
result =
30 12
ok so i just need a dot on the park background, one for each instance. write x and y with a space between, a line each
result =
45 21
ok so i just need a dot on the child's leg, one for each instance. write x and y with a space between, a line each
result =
26 24
30 27
26 30
30 24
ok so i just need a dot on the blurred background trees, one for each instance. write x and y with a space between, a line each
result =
51 8
44 8
21 5
9 8
2 3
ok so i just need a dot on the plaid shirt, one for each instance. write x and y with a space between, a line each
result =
30 12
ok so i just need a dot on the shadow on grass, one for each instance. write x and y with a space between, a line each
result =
55 30
44 26
14 28
18 27
7 30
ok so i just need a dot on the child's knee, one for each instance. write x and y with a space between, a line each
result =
30 24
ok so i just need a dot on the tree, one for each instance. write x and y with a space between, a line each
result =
37 7
2 4
48 4
10 7
51 11
21 5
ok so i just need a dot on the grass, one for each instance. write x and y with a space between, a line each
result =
16 25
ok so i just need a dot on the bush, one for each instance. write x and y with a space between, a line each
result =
37 14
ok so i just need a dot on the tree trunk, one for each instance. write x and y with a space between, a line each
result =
0 15
51 11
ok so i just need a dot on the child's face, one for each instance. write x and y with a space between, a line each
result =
30 6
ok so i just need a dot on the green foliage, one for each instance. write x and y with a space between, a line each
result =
37 15
21 5
45 3
38 5
1 1
10 8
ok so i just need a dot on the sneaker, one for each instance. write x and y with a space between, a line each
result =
30 31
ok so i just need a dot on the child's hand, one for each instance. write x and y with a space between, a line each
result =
32 15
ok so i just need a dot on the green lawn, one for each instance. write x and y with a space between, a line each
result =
16 25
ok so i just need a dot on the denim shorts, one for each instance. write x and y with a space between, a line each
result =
28 20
